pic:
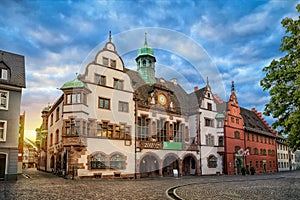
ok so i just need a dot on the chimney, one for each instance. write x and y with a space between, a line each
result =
195 88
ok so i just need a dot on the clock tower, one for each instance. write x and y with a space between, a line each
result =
146 63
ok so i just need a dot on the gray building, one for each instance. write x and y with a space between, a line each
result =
12 80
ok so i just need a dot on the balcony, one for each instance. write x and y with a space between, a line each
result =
74 141
149 145
191 147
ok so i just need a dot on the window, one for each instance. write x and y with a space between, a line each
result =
256 164
118 84
73 98
3 128
51 119
3 74
178 132
256 138
105 61
98 161
117 162
237 121
84 128
221 141
51 139
99 130
161 130
123 106
220 123
104 103
237 135
209 106
248 136
209 122
105 130
252 137
143 128
57 114
232 119
100 80
72 127
4 100
209 140
112 63
212 161
57 136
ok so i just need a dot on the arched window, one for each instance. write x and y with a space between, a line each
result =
51 139
255 151
117 161
56 136
98 161
212 161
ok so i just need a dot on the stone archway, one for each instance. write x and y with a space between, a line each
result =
189 166
170 163
149 166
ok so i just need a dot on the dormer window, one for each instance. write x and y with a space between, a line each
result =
4 74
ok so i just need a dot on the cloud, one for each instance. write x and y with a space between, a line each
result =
224 40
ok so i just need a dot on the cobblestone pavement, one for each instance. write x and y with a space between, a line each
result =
43 185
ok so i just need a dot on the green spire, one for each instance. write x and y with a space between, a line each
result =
146 50
146 63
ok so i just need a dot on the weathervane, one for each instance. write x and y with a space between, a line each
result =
109 36
146 38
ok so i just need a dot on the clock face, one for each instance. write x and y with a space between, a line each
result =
162 99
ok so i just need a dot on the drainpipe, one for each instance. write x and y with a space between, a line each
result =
135 129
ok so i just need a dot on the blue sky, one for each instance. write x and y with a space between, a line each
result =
230 40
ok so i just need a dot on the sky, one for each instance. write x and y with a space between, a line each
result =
223 40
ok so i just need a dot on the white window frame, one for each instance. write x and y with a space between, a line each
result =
4 74
3 139
7 100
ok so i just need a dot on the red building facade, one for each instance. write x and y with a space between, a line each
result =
249 140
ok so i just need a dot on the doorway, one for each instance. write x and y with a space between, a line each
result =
2 166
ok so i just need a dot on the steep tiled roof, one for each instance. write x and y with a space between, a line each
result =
16 66
177 94
253 123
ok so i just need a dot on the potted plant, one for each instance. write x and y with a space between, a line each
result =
252 170
243 170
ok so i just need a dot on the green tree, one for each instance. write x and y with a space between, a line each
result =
282 80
